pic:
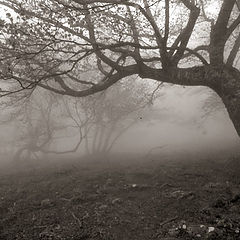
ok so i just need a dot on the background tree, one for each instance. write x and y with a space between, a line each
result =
91 125
36 126
59 45
114 111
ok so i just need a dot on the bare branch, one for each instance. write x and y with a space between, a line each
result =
185 35
219 33
233 54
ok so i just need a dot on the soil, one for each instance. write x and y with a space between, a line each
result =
128 198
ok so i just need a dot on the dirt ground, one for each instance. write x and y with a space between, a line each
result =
127 199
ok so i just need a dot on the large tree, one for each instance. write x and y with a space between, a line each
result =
81 47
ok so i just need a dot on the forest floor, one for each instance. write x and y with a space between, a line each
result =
122 200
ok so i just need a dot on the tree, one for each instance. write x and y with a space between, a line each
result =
36 125
98 121
113 112
60 44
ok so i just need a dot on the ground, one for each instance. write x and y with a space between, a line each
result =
134 198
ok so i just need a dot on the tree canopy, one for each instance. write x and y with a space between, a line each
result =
81 47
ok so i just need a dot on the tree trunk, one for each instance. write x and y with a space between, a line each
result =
230 95
232 105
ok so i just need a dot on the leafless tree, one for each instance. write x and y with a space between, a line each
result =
97 121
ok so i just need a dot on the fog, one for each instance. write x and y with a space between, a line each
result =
174 124
182 126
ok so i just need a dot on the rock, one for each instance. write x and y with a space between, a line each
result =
211 229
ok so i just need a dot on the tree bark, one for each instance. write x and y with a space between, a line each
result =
230 95
232 104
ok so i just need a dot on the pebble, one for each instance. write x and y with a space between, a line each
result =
211 229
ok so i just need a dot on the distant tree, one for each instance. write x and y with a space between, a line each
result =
36 126
114 112
60 44
97 121
39 126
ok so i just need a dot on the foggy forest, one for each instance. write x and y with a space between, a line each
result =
120 119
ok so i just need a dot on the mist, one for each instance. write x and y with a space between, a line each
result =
174 124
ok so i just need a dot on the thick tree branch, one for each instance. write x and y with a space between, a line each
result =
185 35
219 33
95 46
233 54
135 34
167 21
233 26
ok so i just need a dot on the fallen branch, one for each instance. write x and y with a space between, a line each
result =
77 219
168 221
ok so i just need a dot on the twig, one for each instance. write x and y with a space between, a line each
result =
168 221
165 184
77 219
